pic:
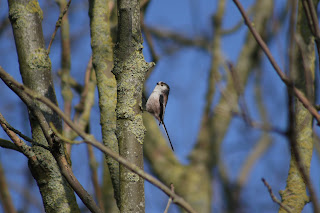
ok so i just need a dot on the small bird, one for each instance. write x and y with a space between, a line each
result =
157 102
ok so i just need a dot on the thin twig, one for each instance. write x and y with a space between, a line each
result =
19 133
63 138
67 94
93 164
25 149
73 83
8 145
79 108
273 197
170 199
301 97
26 138
154 56
58 24
238 25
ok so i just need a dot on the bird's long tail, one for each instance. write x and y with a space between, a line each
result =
165 129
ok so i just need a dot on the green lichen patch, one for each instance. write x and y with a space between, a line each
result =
39 59
137 128
34 7
132 177
17 15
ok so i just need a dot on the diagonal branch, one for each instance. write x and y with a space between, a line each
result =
24 148
8 145
58 24
301 97
273 197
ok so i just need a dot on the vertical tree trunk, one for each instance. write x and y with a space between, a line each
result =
295 195
129 69
102 59
35 69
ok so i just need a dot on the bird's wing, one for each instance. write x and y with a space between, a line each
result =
162 107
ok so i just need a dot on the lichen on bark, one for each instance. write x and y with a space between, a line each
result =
295 195
102 60
130 69
35 69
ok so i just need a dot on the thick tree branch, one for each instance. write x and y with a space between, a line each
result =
102 61
180 39
130 69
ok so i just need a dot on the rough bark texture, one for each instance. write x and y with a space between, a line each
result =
35 69
102 59
129 69
109 200
295 195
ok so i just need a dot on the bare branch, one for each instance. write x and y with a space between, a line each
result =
166 34
8 145
301 97
170 200
273 197
58 24
19 133
93 164
154 56
25 149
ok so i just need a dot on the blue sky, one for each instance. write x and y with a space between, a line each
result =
186 71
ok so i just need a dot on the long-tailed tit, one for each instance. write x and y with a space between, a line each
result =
157 102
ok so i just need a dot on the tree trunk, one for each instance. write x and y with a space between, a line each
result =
295 196
129 69
35 69
102 59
